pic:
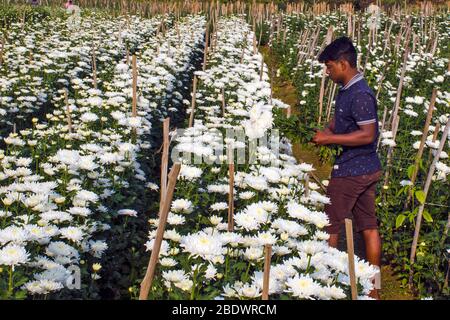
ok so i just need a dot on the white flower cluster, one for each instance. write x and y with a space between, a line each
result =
54 180
270 205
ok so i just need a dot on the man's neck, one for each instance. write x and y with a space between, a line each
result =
349 77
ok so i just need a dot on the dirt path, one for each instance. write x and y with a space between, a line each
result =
283 90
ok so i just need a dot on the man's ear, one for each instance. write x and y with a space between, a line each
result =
344 65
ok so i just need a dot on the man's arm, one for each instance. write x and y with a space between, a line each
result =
330 127
364 135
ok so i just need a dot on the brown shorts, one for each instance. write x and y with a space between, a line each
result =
352 196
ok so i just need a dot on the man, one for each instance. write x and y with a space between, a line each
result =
357 169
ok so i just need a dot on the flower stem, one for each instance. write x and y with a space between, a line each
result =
10 281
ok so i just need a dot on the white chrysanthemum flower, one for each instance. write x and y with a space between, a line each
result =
190 173
246 195
13 254
127 212
416 133
388 142
387 135
210 272
80 211
168 262
97 247
89 117
172 235
254 253
246 221
74 234
303 286
248 291
182 206
174 275
202 244
215 220
42 286
219 206
13 234
266 238
405 183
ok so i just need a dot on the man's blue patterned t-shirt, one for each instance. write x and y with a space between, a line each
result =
356 105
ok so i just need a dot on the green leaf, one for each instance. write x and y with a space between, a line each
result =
410 171
427 216
399 221
420 196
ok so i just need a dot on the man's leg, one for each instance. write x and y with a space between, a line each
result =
367 222
333 240
372 242
343 193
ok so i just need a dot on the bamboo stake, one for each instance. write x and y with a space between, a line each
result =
400 86
261 72
322 84
306 185
422 144
433 139
382 126
231 189
205 52
391 151
163 214
351 258
194 92
330 101
134 103
223 102
2 49
94 67
164 160
422 206
266 279
66 102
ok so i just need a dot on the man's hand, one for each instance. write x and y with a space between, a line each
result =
322 137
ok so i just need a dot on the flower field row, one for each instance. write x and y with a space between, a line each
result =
36 64
64 182
381 59
201 256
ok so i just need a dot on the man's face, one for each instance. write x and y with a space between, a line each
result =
336 70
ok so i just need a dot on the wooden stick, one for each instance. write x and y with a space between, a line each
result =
400 87
261 72
2 49
433 139
94 67
230 152
164 160
66 102
223 102
306 184
330 101
163 214
205 52
134 105
194 92
351 258
422 144
266 279
322 84
391 151
422 206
